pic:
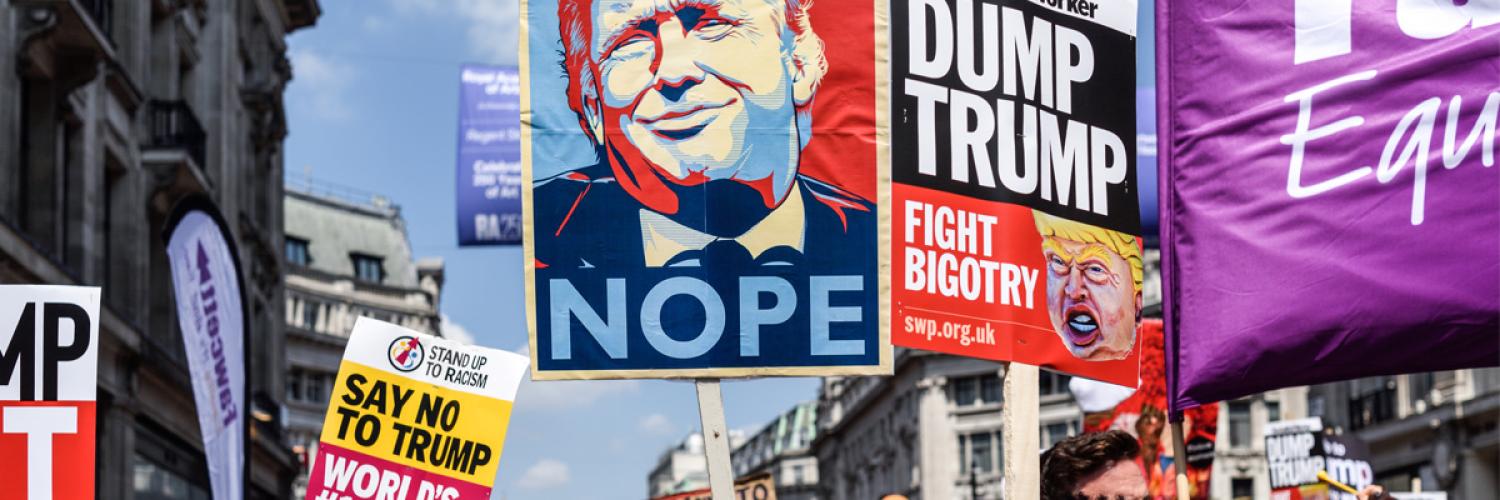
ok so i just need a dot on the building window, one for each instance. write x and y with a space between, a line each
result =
976 452
1052 383
294 385
1054 432
1273 411
161 471
1421 386
989 388
983 462
1373 402
153 482
964 393
1239 424
368 268
796 475
308 387
312 311
317 388
1242 488
296 252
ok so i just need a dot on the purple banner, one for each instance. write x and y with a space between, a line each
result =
489 156
1330 208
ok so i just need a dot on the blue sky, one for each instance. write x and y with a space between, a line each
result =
374 106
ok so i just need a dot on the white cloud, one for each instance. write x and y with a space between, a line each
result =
454 331
493 26
571 394
656 423
545 474
323 81
561 395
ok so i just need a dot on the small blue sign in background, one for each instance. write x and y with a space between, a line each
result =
489 156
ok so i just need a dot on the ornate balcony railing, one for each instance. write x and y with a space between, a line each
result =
173 125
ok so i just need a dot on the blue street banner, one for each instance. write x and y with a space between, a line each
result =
489 156
706 188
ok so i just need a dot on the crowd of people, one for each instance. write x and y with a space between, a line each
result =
1106 466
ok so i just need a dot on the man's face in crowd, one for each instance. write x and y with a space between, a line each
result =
698 91
1122 479
1091 298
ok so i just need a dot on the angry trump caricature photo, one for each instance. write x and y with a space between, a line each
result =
1093 287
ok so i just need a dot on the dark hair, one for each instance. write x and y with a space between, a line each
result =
1078 457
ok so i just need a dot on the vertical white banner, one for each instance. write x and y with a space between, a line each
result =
209 310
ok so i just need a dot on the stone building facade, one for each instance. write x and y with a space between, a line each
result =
347 256
110 112
931 431
1239 471
1426 431
683 467
783 449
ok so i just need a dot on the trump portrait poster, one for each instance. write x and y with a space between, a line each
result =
704 186
1013 183
414 417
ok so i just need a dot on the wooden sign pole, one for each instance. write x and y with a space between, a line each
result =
1020 432
715 438
1179 445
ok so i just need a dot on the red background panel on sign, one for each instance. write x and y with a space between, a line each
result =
466 490
842 149
72 455
1022 335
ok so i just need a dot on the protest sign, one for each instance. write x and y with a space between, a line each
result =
210 312
1329 200
414 417
1014 185
489 156
1143 414
49 364
759 487
1296 450
704 188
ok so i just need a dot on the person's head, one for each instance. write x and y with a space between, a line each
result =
1093 465
686 97
1093 286
1148 428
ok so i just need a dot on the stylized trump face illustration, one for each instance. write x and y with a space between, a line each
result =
695 102
1093 287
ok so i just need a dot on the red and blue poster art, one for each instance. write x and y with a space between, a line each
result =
703 185
1329 191
1014 183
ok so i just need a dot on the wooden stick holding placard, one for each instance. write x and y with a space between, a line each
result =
1179 445
1020 430
715 438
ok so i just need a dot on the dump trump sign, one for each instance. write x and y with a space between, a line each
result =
414 417
49 362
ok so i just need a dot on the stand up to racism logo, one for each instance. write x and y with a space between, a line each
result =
406 353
